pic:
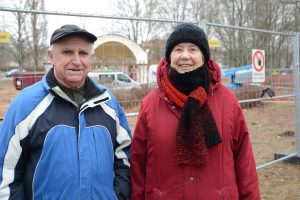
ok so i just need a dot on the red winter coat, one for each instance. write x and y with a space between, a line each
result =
230 173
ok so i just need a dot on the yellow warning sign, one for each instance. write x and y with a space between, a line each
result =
214 43
4 37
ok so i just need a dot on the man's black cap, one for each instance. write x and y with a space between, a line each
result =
68 30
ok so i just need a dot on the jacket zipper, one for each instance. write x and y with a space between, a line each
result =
78 142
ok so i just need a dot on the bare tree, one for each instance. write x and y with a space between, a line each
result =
19 36
259 14
136 30
151 7
27 41
175 9
204 10
233 41
295 15
38 30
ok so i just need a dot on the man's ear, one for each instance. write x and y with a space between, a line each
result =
50 55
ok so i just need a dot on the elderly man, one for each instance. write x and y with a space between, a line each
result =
65 137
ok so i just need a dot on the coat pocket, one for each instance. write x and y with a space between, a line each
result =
225 194
155 194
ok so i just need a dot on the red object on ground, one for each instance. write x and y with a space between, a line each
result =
22 80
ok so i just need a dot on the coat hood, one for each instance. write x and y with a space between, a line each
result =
215 73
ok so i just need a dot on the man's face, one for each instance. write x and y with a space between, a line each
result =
71 58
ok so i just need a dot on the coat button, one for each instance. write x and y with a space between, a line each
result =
192 179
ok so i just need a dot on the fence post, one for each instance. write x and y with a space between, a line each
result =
296 86
202 24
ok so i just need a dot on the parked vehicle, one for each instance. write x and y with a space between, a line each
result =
22 80
11 72
237 76
152 74
114 80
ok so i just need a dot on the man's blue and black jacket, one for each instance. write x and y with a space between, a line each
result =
50 148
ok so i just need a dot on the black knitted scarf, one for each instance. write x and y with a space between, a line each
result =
196 129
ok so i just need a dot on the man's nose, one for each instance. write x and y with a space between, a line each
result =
76 59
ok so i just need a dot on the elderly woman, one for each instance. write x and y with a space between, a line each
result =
191 140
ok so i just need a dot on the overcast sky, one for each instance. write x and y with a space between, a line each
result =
92 6
94 25
97 7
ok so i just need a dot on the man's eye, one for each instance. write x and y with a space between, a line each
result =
83 53
67 52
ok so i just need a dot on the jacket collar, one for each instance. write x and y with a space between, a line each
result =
92 89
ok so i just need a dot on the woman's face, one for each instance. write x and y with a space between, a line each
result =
186 57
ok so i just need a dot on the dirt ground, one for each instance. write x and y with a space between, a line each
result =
272 130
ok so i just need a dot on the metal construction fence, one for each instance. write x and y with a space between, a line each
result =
114 51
